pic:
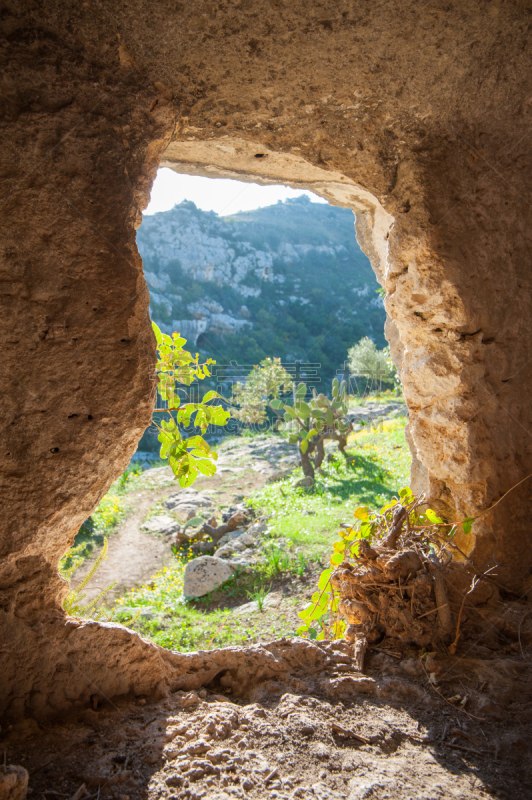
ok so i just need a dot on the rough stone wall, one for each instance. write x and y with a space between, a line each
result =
427 110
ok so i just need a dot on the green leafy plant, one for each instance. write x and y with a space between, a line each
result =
265 382
277 560
401 516
127 478
310 424
187 456
300 565
259 595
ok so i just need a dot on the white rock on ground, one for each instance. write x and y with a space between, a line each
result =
155 524
204 574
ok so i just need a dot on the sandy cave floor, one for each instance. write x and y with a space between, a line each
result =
378 735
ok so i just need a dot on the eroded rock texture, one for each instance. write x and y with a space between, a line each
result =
418 118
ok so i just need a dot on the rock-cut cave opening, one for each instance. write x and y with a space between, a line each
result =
416 118
247 272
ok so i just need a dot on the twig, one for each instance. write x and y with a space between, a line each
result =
519 631
387 652
444 611
456 708
348 732
215 634
474 582
467 749
432 610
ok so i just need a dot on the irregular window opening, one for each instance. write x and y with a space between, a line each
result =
247 273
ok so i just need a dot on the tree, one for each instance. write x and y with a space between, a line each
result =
310 424
187 457
265 382
366 361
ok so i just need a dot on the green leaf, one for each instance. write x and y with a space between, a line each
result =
277 404
467 524
192 523
306 611
302 630
301 390
209 396
312 633
188 478
206 467
304 446
406 492
335 387
197 441
157 332
433 517
324 579
336 559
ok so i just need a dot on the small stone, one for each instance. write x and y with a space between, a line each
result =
159 523
13 783
197 748
323 792
257 528
305 483
321 751
175 780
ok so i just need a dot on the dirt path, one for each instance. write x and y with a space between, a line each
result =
133 555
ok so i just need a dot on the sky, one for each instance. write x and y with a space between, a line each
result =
216 194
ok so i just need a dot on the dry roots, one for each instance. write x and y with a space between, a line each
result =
395 587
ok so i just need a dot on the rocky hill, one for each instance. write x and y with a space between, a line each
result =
288 280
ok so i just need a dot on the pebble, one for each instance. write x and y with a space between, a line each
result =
13 782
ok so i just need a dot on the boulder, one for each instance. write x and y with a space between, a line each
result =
188 497
204 574
160 523
231 536
186 511
305 482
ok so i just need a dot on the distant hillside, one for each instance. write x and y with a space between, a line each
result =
288 280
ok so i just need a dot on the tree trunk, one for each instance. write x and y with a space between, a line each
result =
320 454
306 463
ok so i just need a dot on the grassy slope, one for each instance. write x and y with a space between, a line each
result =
299 548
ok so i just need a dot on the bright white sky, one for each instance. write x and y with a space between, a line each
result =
216 194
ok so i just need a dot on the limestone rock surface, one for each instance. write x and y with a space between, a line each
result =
429 145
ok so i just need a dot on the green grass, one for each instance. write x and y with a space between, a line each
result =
101 523
378 465
381 398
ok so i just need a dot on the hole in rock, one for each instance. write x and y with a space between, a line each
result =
271 283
